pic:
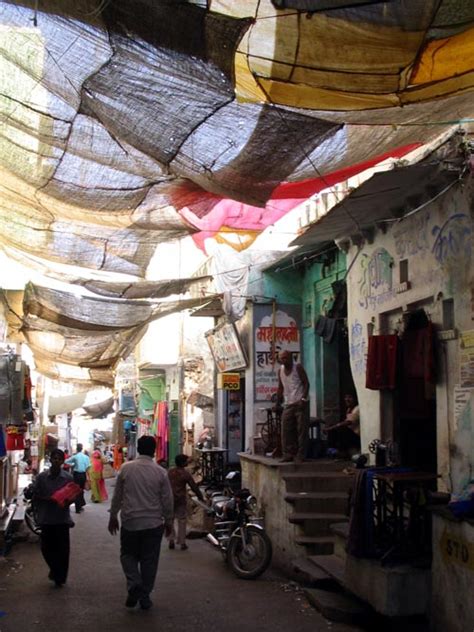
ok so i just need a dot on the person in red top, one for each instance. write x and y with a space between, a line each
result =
180 478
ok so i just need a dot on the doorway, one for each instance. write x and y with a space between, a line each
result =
415 397
333 370
235 422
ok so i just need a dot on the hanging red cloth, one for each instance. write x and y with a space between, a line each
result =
382 358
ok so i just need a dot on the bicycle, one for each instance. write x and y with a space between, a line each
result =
271 431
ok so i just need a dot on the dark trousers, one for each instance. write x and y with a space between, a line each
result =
80 478
139 555
294 430
55 550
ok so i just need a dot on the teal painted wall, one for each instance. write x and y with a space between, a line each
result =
311 288
284 287
152 389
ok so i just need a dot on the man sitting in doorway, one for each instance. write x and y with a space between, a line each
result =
345 435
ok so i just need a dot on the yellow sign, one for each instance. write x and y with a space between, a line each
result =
229 381
456 550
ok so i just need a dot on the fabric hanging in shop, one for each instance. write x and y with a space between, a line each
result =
16 437
382 362
418 376
325 327
12 383
160 428
3 448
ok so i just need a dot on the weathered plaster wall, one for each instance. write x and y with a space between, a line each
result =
437 242
269 488
452 608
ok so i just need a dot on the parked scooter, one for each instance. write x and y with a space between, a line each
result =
237 532
30 510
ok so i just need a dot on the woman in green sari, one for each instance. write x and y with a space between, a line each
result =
96 476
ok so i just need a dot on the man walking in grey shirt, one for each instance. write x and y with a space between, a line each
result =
144 498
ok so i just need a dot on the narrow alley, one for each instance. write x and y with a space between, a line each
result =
194 591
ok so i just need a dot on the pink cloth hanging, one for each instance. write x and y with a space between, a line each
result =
161 417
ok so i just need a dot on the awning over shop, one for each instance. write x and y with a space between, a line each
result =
101 409
386 196
65 403
81 338
200 400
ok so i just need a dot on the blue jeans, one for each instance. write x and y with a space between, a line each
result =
139 555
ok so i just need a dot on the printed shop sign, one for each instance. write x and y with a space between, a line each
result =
225 347
229 381
273 332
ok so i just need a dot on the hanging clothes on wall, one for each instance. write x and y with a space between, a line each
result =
160 429
27 395
325 327
16 437
417 394
12 381
3 448
382 362
418 375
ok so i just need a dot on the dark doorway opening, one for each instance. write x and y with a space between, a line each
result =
415 425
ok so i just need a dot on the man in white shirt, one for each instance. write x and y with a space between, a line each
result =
144 498
293 387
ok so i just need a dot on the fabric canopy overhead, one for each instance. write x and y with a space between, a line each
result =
111 287
125 123
341 56
81 338
101 409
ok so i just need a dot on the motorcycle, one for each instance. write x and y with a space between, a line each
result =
30 510
238 533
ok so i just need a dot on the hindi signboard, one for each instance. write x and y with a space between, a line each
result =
272 334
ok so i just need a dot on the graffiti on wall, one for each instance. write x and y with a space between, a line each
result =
375 283
358 349
452 239
412 237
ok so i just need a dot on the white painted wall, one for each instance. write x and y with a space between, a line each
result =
437 241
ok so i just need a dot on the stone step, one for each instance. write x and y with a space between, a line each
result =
316 545
314 523
317 465
317 481
340 531
339 606
309 574
331 565
333 502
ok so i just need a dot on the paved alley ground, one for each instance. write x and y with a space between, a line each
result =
194 591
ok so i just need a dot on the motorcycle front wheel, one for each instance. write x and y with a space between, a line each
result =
249 560
31 522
